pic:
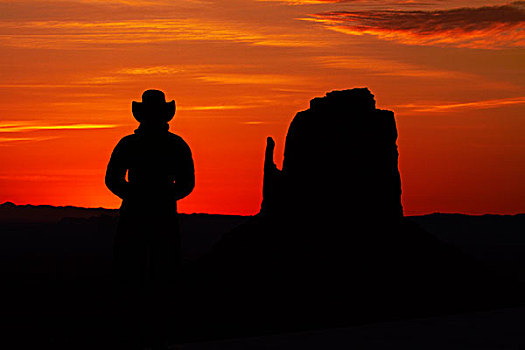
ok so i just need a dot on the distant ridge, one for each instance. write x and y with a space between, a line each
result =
13 205
11 212
29 213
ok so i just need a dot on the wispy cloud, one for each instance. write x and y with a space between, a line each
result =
123 75
4 141
34 86
385 67
101 80
141 3
11 127
210 73
258 122
214 108
360 2
64 34
487 27
245 78
483 104
153 70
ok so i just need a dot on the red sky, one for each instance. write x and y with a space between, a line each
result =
452 71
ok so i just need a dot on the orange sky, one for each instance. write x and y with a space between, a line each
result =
452 71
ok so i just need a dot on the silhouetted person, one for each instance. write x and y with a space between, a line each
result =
147 256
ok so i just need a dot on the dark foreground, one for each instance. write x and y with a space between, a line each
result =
57 291
497 329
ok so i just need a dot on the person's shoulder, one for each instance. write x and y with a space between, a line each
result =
176 138
178 143
127 140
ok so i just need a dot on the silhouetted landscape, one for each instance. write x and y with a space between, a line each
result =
56 263
329 249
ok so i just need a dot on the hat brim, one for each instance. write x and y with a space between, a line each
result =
163 112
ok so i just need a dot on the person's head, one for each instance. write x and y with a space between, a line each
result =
153 109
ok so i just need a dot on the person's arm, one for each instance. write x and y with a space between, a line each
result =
116 172
185 174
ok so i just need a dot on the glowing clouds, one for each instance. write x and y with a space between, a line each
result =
77 34
488 27
385 67
447 107
27 126
7 129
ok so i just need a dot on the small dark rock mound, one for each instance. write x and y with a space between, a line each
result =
330 245
7 205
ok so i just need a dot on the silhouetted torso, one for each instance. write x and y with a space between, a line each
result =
159 168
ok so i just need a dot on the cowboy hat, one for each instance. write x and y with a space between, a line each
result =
153 107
